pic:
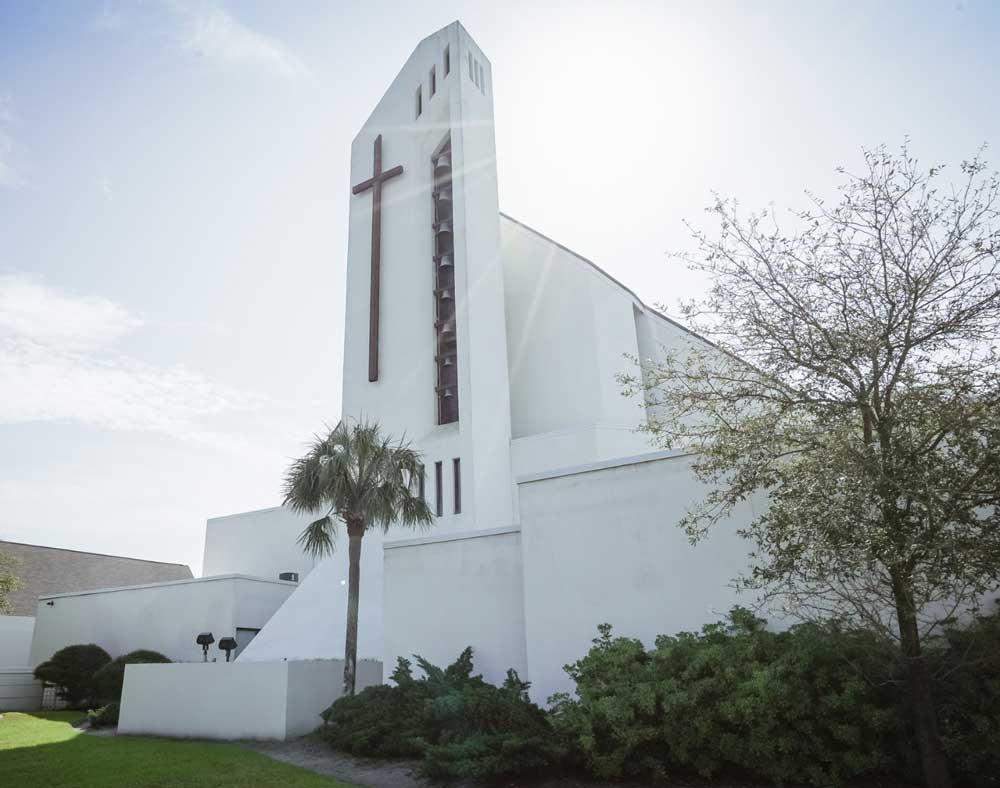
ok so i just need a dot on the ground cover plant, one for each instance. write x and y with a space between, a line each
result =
44 749
458 724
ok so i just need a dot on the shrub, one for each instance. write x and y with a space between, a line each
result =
966 662
108 680
104 717
790 706
457 723
71 670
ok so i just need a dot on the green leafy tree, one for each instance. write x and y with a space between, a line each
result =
367 480
8 582
855 378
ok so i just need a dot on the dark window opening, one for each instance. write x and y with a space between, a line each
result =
439 490
457 470
420 102
447 61
421 481
434 82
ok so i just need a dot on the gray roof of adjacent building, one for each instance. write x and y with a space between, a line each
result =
54 570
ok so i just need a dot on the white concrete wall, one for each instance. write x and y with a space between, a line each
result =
312 622
253 700
441 596
165 617
604 546
19 691
15 640
569 327
259 544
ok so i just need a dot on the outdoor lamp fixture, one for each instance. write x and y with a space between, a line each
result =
205 639
227 645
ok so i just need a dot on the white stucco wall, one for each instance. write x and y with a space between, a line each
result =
603 546
15 640
165 617
256 700
311 623
261 543
444 593
18 690
569 327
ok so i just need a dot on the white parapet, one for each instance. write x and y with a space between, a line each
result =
235 700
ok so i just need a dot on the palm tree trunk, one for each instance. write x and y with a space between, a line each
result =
355 530
932 756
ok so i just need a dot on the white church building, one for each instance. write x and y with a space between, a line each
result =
495 351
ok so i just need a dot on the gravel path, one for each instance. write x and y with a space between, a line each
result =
312 754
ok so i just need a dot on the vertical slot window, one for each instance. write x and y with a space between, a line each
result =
471 75
438 490
434 82
419 102
445 294
447 61
475 74
482 79
457 474
422 482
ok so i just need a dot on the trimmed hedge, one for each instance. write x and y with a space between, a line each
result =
71 670
108 680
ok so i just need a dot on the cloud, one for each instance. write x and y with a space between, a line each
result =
214 34
58 363
37 314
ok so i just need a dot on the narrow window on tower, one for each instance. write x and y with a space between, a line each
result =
475 74
457 472
447 61
420 102
471 76
421 482
434 82
482 79
438 490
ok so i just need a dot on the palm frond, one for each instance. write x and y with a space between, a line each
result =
319 537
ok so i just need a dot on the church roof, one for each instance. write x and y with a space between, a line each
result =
53 570
624 288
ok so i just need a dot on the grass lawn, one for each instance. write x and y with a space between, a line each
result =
44 749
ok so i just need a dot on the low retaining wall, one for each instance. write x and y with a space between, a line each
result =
234 700
19 690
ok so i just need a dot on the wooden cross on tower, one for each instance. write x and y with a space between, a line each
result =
375 184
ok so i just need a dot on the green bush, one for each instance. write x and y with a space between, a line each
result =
792 706
814 704
459 725
71 670
966 662
104 717
108 680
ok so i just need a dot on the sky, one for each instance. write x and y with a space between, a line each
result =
174 183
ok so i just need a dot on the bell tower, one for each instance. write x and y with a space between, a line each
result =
425 341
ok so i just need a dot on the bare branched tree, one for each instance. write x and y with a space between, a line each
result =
855 378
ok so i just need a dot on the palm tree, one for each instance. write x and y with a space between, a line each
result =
366 479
